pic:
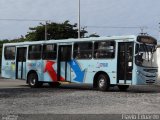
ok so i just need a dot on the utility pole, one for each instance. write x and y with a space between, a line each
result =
46 30
159 31
79 19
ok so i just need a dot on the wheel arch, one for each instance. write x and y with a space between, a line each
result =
95 79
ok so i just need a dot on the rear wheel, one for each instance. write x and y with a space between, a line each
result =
103 82
123 87
33 81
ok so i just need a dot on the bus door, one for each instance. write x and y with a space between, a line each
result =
21 62
63 68
125 62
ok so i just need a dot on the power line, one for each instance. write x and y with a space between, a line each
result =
117 27
114 27
120 27
23 20
30 20
87 26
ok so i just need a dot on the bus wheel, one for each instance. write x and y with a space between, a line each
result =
103 82
123 87
33 81
54 84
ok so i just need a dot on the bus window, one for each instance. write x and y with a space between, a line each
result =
104 49
49 52
83 50
34 52
9 53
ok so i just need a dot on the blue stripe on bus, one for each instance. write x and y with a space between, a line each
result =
76 68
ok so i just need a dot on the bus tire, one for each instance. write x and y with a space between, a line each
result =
123 87
103 82
33 81
54 84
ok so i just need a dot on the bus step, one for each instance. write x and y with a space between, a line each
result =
65 82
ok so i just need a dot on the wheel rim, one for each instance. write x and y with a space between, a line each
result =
32 81
101 82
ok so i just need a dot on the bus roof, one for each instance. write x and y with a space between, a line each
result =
74 40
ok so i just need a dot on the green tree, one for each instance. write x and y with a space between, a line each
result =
54 31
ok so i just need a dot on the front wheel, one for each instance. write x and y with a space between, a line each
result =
123 87
103 82
33 81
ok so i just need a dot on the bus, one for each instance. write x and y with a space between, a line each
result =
102 61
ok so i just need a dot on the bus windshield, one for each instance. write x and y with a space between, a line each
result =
145 55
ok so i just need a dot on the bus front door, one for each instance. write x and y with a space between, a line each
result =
125 62
63 68
21 62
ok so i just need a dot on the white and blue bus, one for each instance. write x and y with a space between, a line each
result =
102 61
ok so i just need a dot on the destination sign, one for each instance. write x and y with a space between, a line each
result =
146 40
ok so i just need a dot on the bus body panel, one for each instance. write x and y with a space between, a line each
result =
50 71
35 65
8 69
144 75
48 68
88 69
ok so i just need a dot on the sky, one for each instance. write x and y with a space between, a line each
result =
103 17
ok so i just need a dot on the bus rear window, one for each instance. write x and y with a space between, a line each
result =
34 52
49 52
9 53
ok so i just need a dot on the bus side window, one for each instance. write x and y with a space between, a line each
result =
104 49
83 50
34 52
49 52
9 52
